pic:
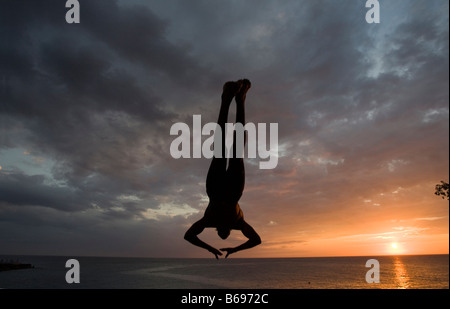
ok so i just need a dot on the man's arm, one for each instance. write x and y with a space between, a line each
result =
191 236
253 240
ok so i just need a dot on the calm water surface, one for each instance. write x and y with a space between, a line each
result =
396 272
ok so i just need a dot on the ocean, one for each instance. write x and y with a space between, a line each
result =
395 272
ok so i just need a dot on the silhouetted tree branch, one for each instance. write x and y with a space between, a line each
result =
442 189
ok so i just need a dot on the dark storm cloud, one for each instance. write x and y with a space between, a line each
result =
18 189
141 38
71 92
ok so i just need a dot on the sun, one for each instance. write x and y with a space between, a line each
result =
396 248
393 248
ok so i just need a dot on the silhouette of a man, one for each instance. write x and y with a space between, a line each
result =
225 186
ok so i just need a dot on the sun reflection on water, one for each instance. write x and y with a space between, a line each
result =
401 275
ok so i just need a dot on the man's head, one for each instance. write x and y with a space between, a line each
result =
223 232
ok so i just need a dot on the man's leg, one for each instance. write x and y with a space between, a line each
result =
236 170
215 180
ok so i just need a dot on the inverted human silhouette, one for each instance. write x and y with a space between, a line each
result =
225 186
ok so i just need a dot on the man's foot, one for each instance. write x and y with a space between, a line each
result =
230 89
245 86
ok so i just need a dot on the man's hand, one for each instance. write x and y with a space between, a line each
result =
229 251
215 252
191 236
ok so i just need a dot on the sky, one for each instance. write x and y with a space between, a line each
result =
86 110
